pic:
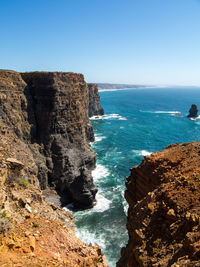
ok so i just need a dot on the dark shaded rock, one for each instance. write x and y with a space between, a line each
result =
48 112
95 107
193 112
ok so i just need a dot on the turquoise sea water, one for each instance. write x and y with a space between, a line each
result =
136 122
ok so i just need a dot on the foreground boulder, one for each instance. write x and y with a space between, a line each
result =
164 216
193 112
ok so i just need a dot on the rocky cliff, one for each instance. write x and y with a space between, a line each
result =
164 215
44 124
95 107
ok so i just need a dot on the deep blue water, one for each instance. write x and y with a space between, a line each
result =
137 122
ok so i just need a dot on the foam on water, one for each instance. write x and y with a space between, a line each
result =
100 172
194 119
167 112
102 203
142 152
108 117
88 237
125 203
161 112
98 137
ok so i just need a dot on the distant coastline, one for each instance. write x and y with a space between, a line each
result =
108 86
103 87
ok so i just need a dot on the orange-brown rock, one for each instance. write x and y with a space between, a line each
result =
46 237
163 222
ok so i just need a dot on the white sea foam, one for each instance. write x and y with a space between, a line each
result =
142 152
125 203
69 207
161 112
99 138
167 112
108 117
89 237
100 172
194 119
102 203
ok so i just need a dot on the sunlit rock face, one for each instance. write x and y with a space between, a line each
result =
163 217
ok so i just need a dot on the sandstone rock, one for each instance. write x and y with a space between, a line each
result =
32 242
163 196
193 112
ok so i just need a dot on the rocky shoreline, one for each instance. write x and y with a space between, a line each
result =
45 145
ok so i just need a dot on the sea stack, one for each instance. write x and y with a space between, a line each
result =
193 112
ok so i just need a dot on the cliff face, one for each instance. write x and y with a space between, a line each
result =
44 140
44 118
163 217
95 107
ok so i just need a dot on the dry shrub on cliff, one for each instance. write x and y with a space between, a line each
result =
5 225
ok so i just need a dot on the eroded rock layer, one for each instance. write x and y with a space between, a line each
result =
34 232
164 209
95 107
44 118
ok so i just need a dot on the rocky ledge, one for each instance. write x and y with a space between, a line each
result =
44 124
164 209
34 232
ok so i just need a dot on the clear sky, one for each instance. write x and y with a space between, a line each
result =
119 41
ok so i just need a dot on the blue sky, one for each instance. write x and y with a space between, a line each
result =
119 41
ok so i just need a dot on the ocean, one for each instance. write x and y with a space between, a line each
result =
136 123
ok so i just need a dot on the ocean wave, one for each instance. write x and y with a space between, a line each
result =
194 119
108 117
99 137
102 203
100 172
124 203
161 112
142 152
167 112
87 237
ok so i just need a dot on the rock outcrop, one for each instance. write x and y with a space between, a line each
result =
34 232
95 107
164 215
44 124
193 112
